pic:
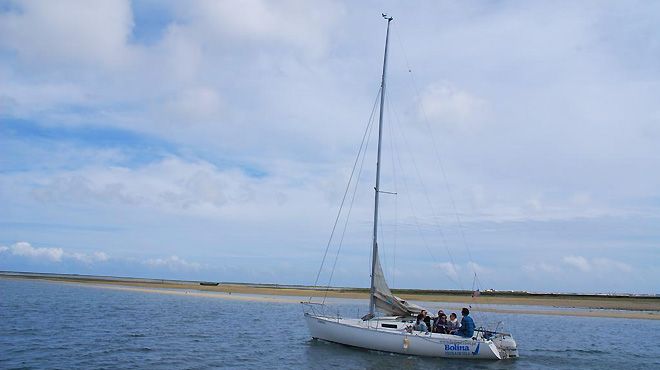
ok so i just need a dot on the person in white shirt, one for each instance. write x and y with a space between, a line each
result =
453 322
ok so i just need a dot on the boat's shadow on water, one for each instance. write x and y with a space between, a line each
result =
334 356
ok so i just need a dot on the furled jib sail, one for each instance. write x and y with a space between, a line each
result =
386 301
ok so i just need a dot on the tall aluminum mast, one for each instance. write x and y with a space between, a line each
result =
374 254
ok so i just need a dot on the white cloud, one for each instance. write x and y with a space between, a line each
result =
611 265
193 106
294 23
578 262
24 249
89 258
530 130
451 107
541 267
596 265
176 185
467 270
50 254
173 263
450 269
475 267
21 99
172 184
68 30
577 273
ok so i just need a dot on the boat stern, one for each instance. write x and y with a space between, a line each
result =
506 345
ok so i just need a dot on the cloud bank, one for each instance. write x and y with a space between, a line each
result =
224 132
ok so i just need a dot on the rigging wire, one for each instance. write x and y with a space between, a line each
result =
350 208
383 246
436 151
438 157
443 238
396 203
334 226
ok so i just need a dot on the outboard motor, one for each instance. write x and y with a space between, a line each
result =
506 345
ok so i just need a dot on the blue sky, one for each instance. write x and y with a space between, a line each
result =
213 140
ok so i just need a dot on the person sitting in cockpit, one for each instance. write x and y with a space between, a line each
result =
427 319
420 325
467 325
440 325
453 323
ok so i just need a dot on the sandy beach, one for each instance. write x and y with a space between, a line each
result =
591 306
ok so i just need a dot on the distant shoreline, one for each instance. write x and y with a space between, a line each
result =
632 307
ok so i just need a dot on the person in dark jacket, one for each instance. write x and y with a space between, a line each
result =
441 323
427 319
467 325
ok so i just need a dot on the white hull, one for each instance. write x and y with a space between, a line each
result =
394 338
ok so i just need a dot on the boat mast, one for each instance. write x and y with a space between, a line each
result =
374 254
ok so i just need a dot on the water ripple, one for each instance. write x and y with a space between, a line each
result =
56 326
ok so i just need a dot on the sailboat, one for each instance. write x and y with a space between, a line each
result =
393 331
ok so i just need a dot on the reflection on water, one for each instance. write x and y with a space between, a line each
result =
49 325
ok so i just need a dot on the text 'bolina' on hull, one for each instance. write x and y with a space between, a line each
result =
390 335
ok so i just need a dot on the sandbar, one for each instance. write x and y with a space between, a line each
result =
565 305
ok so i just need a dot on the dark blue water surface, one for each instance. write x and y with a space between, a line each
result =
66 326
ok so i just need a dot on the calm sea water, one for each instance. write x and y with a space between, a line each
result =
63 326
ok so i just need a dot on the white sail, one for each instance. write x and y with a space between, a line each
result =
388 302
